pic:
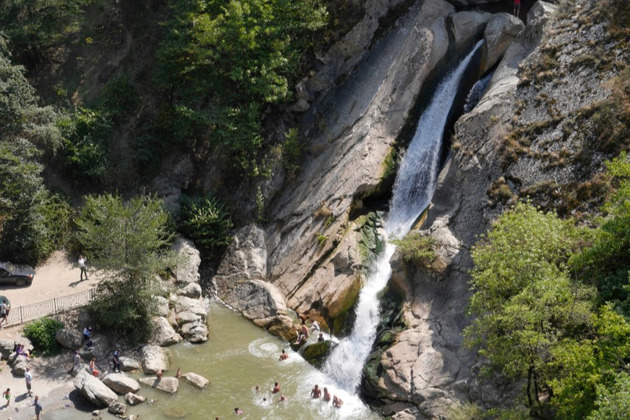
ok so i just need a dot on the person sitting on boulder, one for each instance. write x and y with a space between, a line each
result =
92 369
303 335
160 374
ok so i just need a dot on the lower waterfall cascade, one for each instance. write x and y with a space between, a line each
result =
413 189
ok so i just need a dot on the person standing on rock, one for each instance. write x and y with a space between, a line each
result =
82 267
28 378
116 360
38 407
517 7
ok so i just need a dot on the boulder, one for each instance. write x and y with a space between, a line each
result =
468 27
68 338
134 399
195 306
127 364
7 345
186 317
154 359
316 353
245 259
161 307
257 300
196 380
94 390
117 408
499 34
540 12
121 383
191 290
188 269
163 334
196 332
166 383
19 366
471 2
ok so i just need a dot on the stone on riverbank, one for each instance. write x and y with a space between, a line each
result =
188 270
120 383
154 359
134 399
94 390
195 332
191 290
127 364
316 353
163 333
166 383
7 346
19 366
117 408
186 317
69 338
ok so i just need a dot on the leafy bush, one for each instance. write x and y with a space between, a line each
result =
292 152
123 307
416 249
42 334
207 222
87 135
120 97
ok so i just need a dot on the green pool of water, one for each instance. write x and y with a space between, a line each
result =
237 357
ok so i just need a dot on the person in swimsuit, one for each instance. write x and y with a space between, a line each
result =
7 395
316 392
326 395
276 388
283 356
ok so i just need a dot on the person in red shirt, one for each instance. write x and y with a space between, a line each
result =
517 7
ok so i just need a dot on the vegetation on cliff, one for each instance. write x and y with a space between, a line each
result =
551 302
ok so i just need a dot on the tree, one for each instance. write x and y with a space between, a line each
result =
533 321
128 241
26 130
207 222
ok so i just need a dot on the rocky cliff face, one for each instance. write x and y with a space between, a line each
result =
527 136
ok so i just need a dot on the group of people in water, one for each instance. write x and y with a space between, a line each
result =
316 393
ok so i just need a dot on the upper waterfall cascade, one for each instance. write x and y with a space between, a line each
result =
413 190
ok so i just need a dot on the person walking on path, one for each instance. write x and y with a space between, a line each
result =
7 395
82 267
3 312
28 378
517 7
38 407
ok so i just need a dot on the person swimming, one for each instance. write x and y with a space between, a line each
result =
276 388
316 392
238 411
337 402
326 395
283 356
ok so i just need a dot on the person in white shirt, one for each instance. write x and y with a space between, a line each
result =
82 267
29 380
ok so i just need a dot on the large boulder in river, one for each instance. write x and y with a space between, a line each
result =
195 306
117 408
120 383
163 334
94 390
128 364
195 332
196 380
499 35
166 383
317 353
188 269
154 359
69 338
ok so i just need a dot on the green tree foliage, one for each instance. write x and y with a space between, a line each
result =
207 222
223 62
42 334
613 402
25 131
87 134
128 241
37 27
534 321
606 263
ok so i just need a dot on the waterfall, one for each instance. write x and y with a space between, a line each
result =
413 189
476 92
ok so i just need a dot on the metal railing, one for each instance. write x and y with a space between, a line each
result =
22 314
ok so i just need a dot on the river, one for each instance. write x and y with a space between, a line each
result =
237 357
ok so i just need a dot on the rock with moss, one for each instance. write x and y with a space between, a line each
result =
317 353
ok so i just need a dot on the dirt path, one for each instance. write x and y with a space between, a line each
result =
56 278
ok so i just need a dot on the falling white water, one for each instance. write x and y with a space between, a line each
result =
413 189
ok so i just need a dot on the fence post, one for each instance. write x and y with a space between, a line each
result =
55 306
21 319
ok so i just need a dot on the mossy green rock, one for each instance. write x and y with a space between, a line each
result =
316 353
